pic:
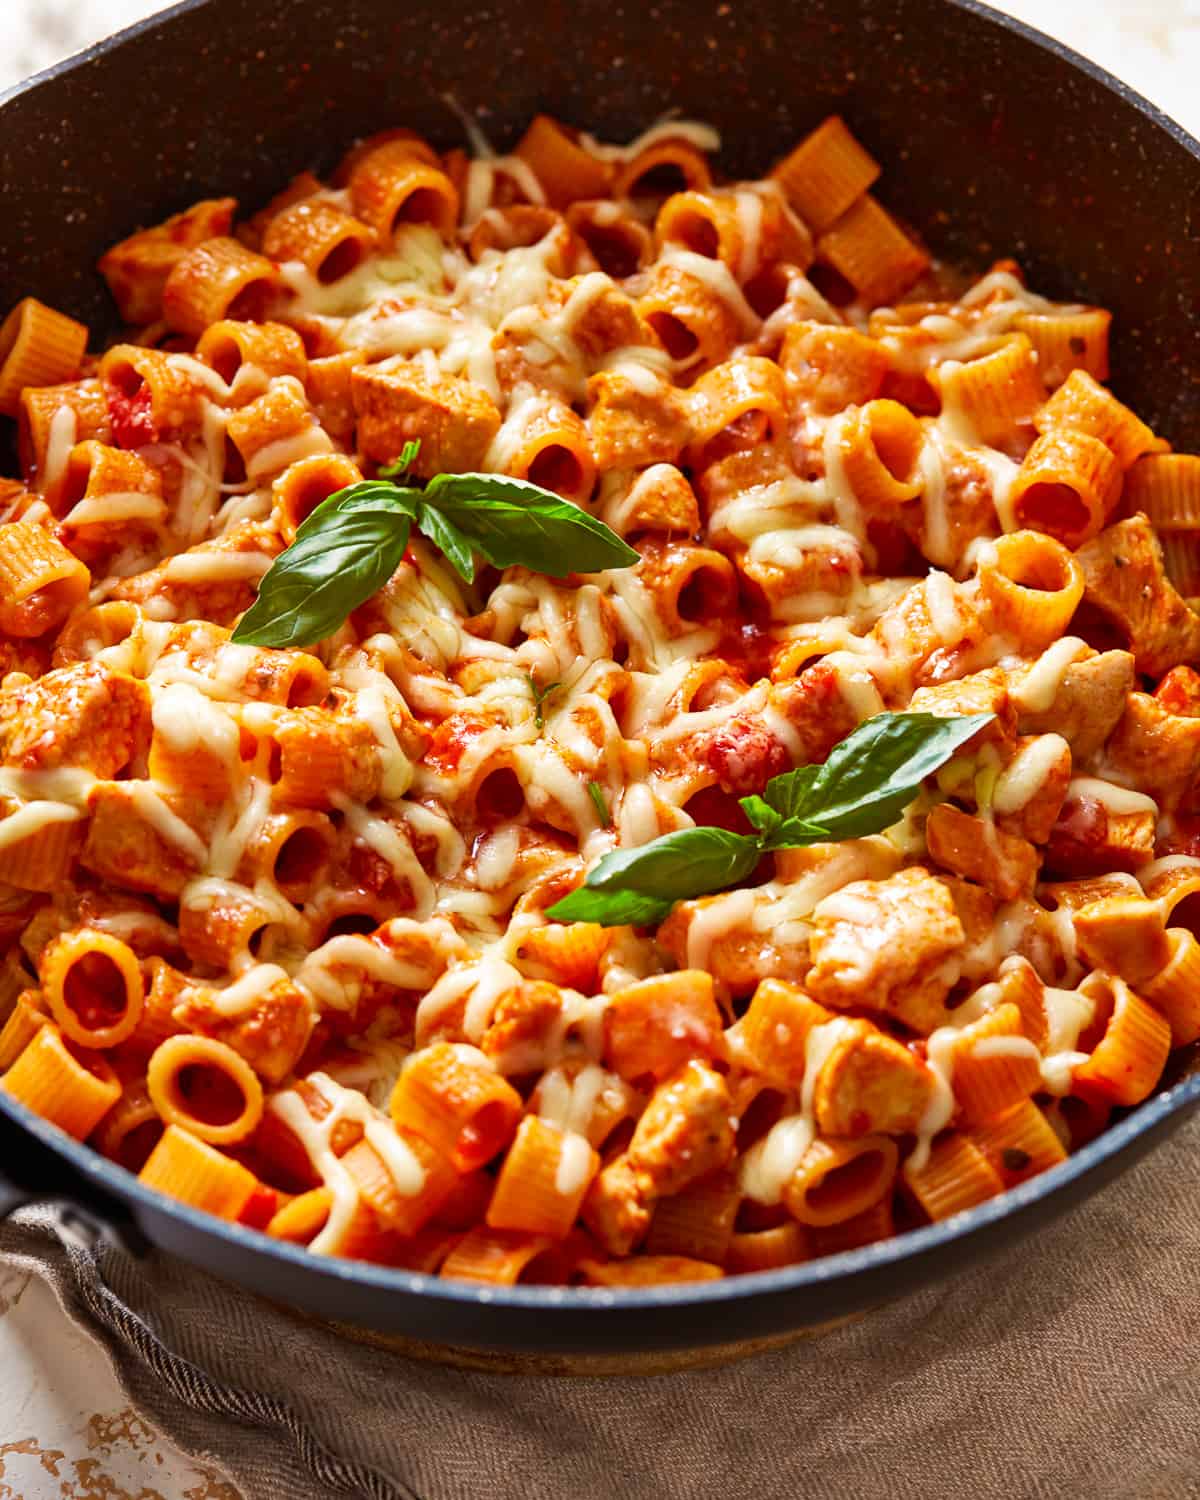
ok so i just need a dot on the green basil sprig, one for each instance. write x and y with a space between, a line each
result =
354 541
864 786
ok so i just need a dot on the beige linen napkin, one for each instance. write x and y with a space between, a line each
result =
1067 1365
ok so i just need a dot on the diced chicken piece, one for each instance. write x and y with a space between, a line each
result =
1125 584
1085 704
685 1132
1004 864
871 1083
86 716
980 693
887 946
454 420
1156 750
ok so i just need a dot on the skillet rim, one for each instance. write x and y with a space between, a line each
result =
111 1178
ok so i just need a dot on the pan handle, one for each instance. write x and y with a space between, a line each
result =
31 1171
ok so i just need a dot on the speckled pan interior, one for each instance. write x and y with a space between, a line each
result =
994 142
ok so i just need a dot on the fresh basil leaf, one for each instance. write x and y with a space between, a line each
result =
512 521
761 814
600 803
369 495
796 833
611 908
786 793
872 776
448 539
689 862
399 467
311 588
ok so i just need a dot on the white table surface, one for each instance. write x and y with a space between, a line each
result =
66 1430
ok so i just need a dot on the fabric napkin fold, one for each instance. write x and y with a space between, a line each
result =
1067 1365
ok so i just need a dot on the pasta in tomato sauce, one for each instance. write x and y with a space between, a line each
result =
278 919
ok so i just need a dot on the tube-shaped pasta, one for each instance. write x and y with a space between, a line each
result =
881 447
401 1177
1019 1143
695 324
413 144
522 224
872 252
648 1270
316 756
293 850
1082 405
1020 984
40 581
193 1172
663 167
302 1218
743 228
565 169
1066 486
1181 561
330 393
206 1088
838 1179
50 421
40 857
271 348
1127 1061
15 977
698 1222
542 1180
131 1129
459 1106
1167 487
826 173
775 1029
690 585
1032 585
108 496
956 1176
654 1026
72 1088
867 1228
767 1249
220 934
328 242
137 268
162 398
554 451
164 988
391 186
734 406
500 1256
219 279
93 986
275 430
1175 990
619 243
38 347
1068 339
995 391
995 1064
21 1026
830 366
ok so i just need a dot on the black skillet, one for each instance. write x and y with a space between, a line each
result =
994 141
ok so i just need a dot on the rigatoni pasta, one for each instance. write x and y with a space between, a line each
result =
282 923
